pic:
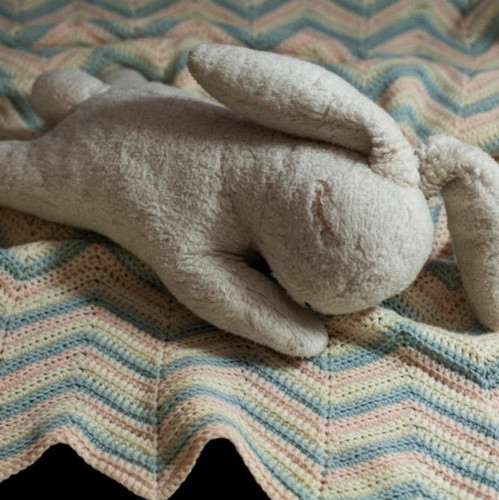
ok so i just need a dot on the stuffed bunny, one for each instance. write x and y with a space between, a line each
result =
295 165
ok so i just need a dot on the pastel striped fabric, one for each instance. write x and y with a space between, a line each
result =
95 353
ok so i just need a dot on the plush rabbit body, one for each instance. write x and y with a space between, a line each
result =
191 187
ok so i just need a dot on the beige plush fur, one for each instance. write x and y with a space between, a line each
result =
303 170
469 181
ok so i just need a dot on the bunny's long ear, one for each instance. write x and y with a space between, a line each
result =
469 181
303 99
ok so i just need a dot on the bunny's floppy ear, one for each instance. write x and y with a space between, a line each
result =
469 181
303 99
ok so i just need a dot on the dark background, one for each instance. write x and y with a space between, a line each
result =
219 473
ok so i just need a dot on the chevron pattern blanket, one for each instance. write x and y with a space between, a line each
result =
95 353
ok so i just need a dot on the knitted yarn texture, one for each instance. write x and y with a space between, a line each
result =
96 353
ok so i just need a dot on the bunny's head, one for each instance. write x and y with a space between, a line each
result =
342 243
343 228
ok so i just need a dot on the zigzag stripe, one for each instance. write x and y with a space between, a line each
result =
436 14
92 294
467 363
29 12
395 392
191 392
434 437
306 19
73 257
75 254
349 458
102 444
358 7
95 352
376 88
54 258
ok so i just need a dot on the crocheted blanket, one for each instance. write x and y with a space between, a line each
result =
95 353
